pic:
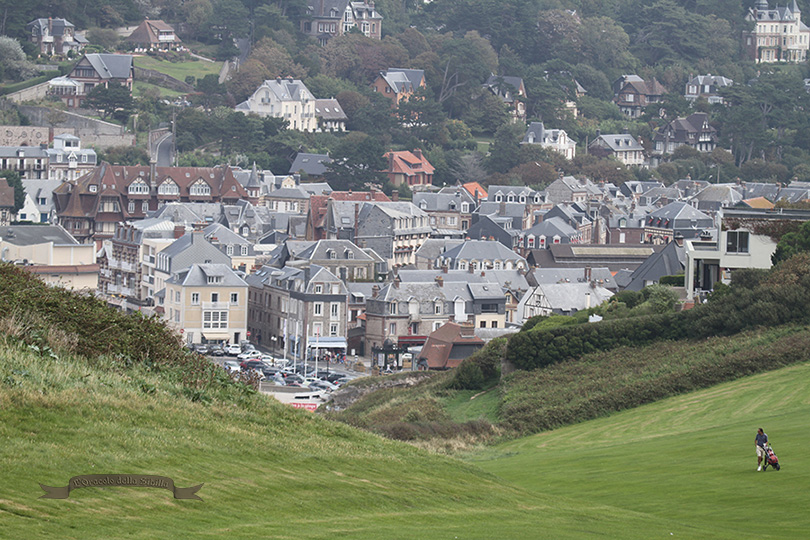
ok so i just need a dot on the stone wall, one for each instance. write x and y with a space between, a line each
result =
33 93
91 131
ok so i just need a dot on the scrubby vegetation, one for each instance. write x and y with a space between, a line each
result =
58 322
569 370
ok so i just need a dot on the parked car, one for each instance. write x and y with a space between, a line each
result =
231 365
326 386
201 348
249 355
247 365
293 378
233 350
217 350
343 380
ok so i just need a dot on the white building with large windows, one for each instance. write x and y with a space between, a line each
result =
207 303
779 35
283 98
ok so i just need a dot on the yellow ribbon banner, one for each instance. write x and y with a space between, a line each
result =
120 480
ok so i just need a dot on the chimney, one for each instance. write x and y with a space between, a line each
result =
395 195
471 268
502 208
179 231
679 239
444 267
467 329
391 160
483 273
375 291
153 173
396 282
440 281
587 300
417 152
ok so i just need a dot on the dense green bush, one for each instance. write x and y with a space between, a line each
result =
781 298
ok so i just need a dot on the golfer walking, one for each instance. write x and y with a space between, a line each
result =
762 441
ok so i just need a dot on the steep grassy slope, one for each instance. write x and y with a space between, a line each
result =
688 459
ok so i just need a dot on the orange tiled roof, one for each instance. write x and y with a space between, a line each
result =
759 202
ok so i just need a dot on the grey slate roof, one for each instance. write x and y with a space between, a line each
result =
111 66
618 142
482 250
400 79
29 235
311 164
551 227
318 251
197 276
668 262
545 276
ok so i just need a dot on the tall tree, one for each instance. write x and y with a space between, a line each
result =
13 180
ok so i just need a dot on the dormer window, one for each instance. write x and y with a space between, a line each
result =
93 188
138 187
510 198
199 189
168 187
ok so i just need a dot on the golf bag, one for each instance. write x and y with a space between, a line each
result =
771 459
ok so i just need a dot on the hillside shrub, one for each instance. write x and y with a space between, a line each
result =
672 281
780 298
480 369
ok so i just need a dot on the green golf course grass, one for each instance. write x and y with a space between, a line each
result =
687 460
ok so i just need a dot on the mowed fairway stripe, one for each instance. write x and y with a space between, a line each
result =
689 459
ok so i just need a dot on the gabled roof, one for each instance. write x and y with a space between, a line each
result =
148 33
57 26
110 66
668 262
197 276
618 142
408 163
30 235
551 227
438 348
403 80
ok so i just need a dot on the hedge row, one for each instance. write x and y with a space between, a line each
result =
782 298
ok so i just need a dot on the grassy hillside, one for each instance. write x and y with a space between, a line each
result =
179 70
595 385
688 460
269 471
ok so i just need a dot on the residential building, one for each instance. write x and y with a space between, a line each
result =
335 215
634 94
398 84
411 169
662 225
55 36
154 34
716 196
707 87
292 200
38 206
693 131
450 209
67 160
614 257
623 146
325 19
394 230
740 241
513 93
90 206
448 346
207 303
239 249
297 311
96 69
341 257
549 232
779 35
330 115
191 248
561 299
283 98
477 255
31 162
568 189
51 253
554 139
